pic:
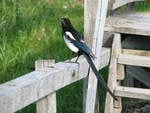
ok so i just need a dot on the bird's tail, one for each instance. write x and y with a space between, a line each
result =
99 77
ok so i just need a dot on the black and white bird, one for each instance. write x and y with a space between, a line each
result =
75 43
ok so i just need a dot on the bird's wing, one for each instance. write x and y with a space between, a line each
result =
76 34
86 52
82 46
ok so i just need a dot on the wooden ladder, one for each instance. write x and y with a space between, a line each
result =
119 58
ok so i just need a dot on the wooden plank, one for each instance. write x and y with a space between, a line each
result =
118 105
130 23
89 23
134 60
97 45
48 103
89 20
120 74
136 52
130 92
23 91
119 3
112 77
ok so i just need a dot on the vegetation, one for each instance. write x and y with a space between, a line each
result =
30 30
142 6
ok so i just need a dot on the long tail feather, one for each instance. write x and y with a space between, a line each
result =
99 77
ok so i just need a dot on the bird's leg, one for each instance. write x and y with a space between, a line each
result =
88 71
77 58
74 61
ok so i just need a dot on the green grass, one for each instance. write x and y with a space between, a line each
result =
30 30
142 6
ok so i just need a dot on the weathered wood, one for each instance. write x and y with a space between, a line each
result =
136 52
33 86
135 60
89 20
119 3
89 25
130 23
120 67
48 103
120 73
118 105
112 76
130 92
97 45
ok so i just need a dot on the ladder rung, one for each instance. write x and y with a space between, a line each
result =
135 60
136 52
129 92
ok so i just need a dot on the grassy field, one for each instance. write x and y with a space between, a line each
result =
30 30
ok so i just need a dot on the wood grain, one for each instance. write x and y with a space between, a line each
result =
96 48
112 76
48 103
130 23
130 92
134 60
119 3
23 91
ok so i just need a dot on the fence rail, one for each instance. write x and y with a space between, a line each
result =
21 92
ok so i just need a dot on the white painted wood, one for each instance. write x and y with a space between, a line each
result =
48 103
135 60
130 23
119 3
112 76
18 93
97 45
130 92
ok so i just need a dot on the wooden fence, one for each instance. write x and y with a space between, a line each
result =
41 85
31 87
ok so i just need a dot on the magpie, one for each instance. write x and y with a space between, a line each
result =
75 42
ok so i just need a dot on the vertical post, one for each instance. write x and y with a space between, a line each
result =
112 106
96 47
48 103
90 11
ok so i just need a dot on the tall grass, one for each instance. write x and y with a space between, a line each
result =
30 30
142 6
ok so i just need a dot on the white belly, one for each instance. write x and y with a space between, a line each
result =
71 46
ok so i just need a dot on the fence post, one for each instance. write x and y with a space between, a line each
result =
48 103
97 45
89 24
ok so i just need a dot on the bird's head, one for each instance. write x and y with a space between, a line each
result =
65 22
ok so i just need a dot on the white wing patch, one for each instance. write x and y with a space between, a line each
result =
69 44
70 35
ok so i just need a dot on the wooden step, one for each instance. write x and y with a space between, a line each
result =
130 92
135 60
136 52
130 23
